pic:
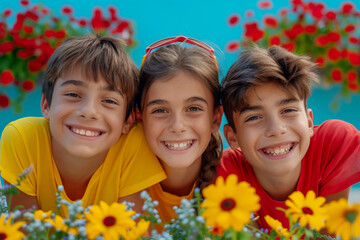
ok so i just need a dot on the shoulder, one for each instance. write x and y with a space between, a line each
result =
335 129
231 161
27 126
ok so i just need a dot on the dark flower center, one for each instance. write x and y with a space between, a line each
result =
109 221
307 210
227 204
351 216
2 236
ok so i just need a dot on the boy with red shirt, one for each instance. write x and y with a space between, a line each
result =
274 144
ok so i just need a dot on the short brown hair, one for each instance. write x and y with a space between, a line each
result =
97 56
256 66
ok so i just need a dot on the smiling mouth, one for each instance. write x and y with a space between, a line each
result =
179 145
85 132
278 151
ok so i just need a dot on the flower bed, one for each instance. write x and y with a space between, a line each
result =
226 213
330 36
26 46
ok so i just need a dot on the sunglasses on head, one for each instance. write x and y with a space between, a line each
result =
171 40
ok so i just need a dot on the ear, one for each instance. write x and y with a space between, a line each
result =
138 115
310 120
230 136
45 107
217 118
128 123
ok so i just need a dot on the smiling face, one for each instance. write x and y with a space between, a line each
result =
178 118
273 131
86 117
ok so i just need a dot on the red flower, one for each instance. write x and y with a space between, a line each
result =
321 40
331 15
25 53
67 10
45 11
7 12
283 12
353 87
253 32
320 61
113 13
333 37
82 22
4 101
232 46
347 7
49 33
265 4
233 20
316 9
274 40
310 29
353 40
336 75
6 47
29 29
334 54
32 15
349 28
352 76
249 13
290 46
24 2
270 22
354 58
28 85
6 77
60 34
295 30
34 66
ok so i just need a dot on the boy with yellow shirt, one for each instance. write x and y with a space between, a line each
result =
85 141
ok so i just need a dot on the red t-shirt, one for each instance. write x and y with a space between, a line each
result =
331 164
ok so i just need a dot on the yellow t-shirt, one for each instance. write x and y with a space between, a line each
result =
167 201
129 167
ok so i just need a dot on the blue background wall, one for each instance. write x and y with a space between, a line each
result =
205 20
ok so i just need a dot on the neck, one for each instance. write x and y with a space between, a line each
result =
279 187
180 181
75 172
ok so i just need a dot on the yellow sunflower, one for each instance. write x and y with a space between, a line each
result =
307 210
277 226
344 219
111 221
59 225
41 215
10 231
229 203
138 231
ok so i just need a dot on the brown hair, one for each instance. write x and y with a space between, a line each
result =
97 56
166 62
257 66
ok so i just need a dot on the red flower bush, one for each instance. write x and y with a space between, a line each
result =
331 37
26 46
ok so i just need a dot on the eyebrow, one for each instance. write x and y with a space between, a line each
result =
189 100
82 84
256 107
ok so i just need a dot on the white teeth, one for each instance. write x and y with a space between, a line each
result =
84 132
178 146
278 150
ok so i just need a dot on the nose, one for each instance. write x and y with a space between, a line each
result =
88 109
177 123
275 127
